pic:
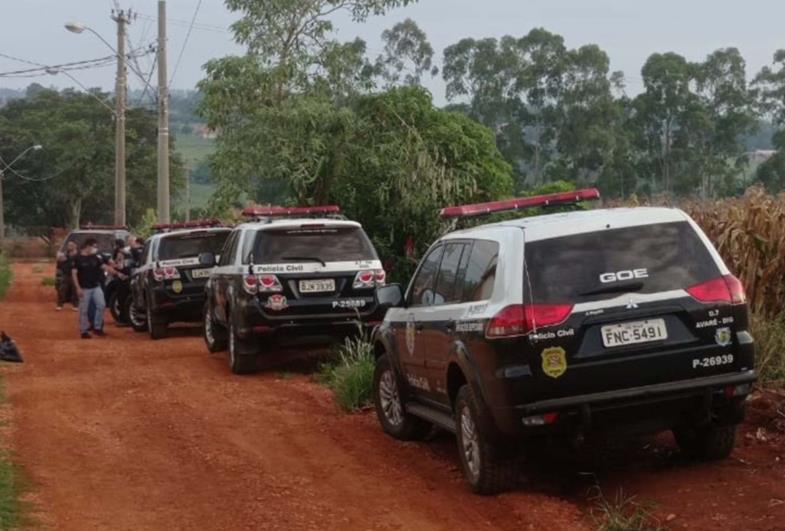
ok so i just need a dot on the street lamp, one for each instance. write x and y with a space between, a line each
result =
120 87
34 147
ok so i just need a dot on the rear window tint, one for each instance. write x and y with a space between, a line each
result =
326 244
189 245
569 268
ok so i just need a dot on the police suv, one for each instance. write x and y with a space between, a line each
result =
168 286
290 276
565 324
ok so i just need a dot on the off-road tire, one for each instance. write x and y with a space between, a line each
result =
710 443
136 317
239 363
495 471
219 341
155 328
386 391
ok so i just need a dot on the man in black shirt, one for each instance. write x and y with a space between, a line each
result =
87 274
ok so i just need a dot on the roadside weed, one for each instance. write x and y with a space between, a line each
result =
351 375
5 275
622 513
48 281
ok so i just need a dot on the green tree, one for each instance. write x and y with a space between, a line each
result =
408 55
71 180
770 83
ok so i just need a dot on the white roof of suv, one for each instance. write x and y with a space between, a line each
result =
581 221
286 223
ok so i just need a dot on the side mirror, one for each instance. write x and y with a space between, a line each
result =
207 259
390 296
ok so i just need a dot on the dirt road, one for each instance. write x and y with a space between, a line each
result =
127 433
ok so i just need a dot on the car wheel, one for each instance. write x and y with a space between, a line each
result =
156 329
239 363
389 405
214 334
709 443
486 468
135 316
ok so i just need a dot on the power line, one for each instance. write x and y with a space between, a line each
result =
75 65
187 24
185 42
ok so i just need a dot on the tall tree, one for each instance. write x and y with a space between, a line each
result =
71 180
408 55
770 83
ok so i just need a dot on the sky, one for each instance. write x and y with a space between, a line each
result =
628 30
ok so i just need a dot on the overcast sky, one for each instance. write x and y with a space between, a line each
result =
628 30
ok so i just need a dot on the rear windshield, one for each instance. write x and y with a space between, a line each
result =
105 241
602 265
193 244
326 244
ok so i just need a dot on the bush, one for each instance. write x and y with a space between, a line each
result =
48 281
351 375
769 337
5 275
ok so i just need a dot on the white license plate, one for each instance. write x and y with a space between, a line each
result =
322 285
200 273
634 332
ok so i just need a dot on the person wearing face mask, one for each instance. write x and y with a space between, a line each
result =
87 274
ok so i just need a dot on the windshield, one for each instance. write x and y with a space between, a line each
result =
318 244
601 265
192 244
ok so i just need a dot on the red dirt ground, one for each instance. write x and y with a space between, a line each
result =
127 433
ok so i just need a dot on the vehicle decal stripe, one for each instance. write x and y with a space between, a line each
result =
315 267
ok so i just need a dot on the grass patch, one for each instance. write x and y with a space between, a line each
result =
14 513
623 513
37 269
769 337
351 375
286 375
5 275
48 281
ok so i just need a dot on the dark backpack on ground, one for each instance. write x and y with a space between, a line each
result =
9 350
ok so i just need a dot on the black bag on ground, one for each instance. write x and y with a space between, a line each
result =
9 350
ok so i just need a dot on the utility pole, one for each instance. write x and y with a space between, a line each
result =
163 119
122 18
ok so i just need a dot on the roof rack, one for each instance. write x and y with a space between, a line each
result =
195 224
268 213
506 205
93 226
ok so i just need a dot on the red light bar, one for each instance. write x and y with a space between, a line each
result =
189 224
270 211
91 226
481 209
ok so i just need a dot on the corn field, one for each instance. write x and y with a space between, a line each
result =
749 233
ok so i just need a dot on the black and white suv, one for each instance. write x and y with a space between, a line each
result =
168 286
287 278
565 324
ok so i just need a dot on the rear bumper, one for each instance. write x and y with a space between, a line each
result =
171 307
662 403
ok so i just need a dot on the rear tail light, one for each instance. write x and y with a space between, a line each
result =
726 288
165 273
251 284
269 284
520 319
369 278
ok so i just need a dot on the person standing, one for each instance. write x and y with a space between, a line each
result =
87 273
63 282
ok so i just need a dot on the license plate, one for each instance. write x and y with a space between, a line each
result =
634 332
200 273
321 285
